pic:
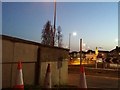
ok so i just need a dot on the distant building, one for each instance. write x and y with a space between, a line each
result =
112 56
103 54
73 54
90 54
115 52
76 54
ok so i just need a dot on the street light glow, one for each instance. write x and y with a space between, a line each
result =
84 44
74 33
116 40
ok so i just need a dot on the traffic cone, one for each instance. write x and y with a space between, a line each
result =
47 81
19 79
82 78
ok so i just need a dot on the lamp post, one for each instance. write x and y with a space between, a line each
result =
54 29
69 40
74 34
80 52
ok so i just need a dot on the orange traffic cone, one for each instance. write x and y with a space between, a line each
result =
82 78
19 79
47 81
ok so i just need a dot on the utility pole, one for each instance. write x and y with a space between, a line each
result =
69 40
80 52
54 30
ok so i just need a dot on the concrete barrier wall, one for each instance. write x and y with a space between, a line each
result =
25 52
52 56
12 53
14 49
59 76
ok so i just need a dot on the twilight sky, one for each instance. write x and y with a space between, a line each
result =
96 23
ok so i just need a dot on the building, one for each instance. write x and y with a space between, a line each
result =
115 52
89 55
75 54
115 55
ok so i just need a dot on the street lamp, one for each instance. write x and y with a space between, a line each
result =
54 29
74 34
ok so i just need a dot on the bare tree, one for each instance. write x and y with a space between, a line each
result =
59 36
47 34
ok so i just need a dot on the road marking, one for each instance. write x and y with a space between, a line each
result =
102 69
104 77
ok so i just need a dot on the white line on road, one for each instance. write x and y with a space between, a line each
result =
104 77
102 69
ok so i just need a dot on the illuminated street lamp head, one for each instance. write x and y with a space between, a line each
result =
116 40
84 44
74 33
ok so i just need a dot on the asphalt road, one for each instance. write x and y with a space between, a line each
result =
97 79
